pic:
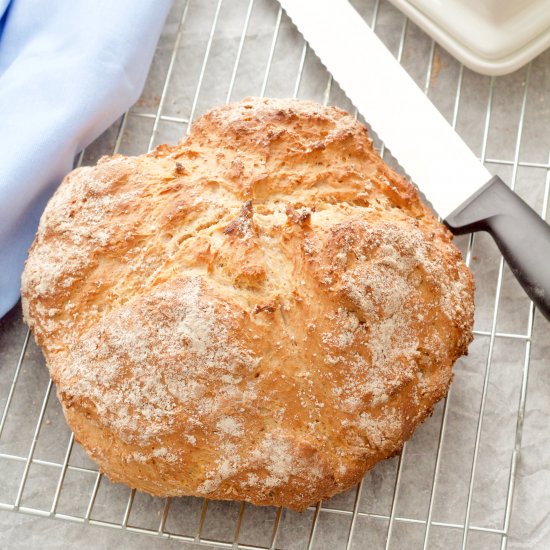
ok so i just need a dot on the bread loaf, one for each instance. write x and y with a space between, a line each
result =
262 312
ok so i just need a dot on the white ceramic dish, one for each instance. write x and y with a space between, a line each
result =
489 36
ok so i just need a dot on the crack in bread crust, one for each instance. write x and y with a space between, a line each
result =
261 312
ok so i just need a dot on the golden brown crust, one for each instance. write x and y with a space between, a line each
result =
261 312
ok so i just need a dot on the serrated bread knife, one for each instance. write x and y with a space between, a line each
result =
461 190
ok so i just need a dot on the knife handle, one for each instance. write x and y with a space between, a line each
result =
522 236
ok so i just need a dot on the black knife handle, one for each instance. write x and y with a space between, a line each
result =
521 234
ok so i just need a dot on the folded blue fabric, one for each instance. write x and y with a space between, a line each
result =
67 71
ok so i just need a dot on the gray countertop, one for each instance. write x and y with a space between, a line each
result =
483 469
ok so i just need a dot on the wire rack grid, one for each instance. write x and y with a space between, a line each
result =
453 484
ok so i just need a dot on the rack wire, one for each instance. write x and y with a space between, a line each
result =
442 491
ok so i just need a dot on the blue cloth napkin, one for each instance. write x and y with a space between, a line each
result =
67 71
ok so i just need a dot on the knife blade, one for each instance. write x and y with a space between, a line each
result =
458 186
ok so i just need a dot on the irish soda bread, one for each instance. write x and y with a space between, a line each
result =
262 312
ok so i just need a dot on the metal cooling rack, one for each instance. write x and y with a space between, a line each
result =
453 485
